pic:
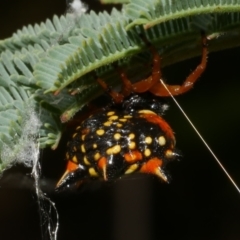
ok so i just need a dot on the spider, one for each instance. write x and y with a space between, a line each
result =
129 135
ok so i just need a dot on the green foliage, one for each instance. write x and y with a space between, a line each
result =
152 12
40 65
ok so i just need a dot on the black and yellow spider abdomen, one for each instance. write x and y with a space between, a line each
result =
117 141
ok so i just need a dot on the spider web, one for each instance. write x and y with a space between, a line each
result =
29 155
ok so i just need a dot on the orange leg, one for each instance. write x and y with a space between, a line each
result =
153 84
127 87
159 90
117 97
152 80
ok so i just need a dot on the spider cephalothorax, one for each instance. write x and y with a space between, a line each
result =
129 135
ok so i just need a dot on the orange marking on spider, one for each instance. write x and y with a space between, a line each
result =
102 164
153 166
162 124
133 156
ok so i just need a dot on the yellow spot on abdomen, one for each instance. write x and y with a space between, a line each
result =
92 172
117 136
74 159
86 160
74 135
147 152
97 156
107 124
122 120
110 113
114 117
127 116
169 153
131 136
161 141
114 150
148 140
100 132
132 145
132 168
83 148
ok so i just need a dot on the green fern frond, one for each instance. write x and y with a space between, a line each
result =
152 12
17 93
56 31
110 44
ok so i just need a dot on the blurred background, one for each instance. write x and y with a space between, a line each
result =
199 203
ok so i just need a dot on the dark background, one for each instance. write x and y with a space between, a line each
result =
200 203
